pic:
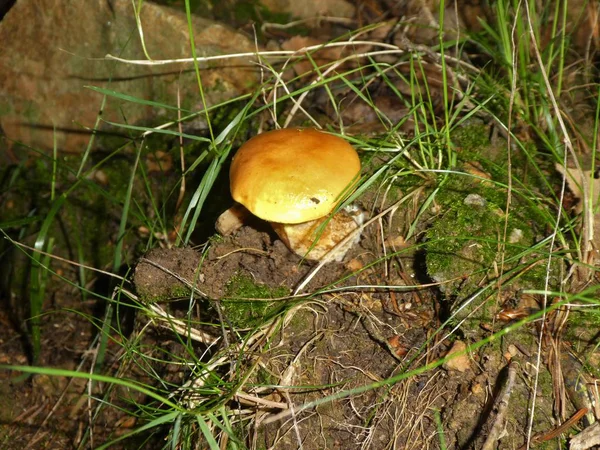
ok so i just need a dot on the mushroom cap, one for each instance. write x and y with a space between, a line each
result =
293 175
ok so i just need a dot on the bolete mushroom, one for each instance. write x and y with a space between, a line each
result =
294 178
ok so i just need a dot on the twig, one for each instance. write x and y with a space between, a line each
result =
311 20
181 327
275 53
503 399
587 438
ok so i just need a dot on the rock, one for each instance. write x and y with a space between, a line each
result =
309 9
475 200
52 49
460 363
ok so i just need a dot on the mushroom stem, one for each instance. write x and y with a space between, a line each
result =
232 219
314 239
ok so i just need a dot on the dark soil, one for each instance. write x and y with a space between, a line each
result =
249 252
330 344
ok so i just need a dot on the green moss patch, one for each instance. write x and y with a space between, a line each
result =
241 311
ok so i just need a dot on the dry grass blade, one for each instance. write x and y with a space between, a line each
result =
168 322
544 437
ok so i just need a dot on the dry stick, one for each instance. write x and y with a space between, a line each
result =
294 54
317 20
503 399
275 53
181 327
587 438
259 401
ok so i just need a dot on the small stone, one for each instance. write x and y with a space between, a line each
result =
515 236
477 389
459 363
474 200
354 265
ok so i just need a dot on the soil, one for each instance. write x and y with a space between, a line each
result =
249 252
338 341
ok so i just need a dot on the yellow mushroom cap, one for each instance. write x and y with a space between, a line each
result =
293 175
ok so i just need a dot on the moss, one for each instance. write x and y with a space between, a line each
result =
583 326
462 237
520 400
172 292
471 137
472 144
244 313
464 244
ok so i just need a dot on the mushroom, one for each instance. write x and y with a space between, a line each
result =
294 179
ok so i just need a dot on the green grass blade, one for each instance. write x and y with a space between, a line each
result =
210 439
